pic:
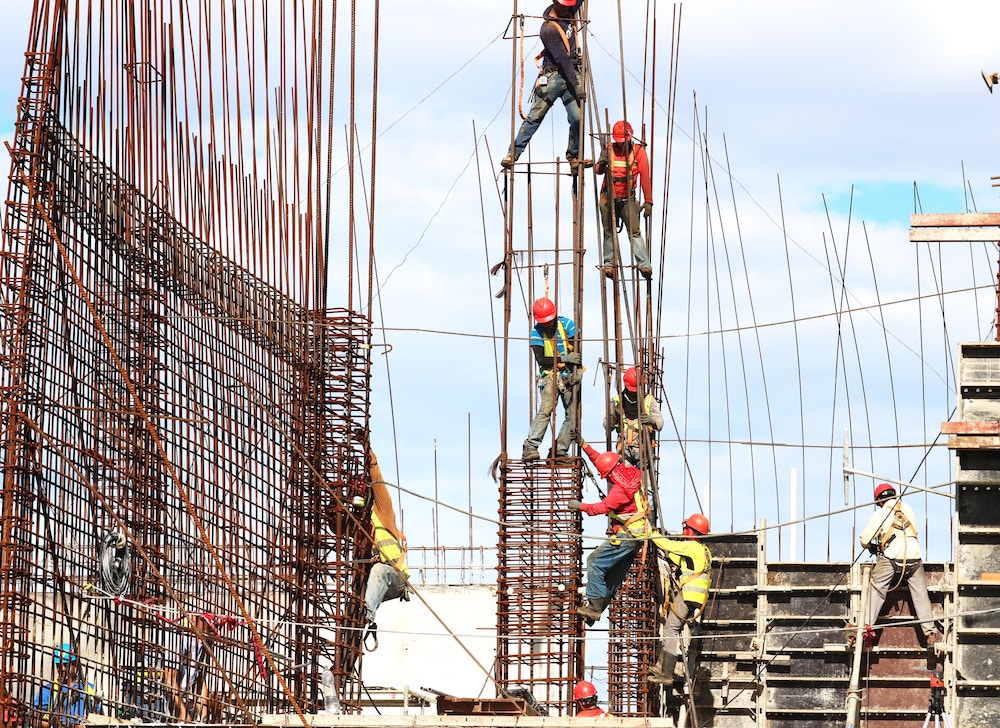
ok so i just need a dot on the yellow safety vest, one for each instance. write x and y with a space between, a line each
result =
636 523
695 563
388 547
549 344
630 429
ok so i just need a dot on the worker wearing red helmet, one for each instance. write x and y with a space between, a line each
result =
559 78
891 535
585 697
689 578
634 422
628 510
629 166
552 341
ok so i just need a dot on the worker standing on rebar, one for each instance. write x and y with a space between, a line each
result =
689 577
67 699
628 510
552 341
634 424
560 77
892 536
389 575
629 166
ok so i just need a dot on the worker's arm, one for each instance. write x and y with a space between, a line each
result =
645 181
687 548
544 362
616 499
655 415
872 530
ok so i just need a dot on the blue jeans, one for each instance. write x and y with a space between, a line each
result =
566 388
384 583
630 215
542 98
608 565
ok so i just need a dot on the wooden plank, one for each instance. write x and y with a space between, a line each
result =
955 219
970 428
973 442
986 234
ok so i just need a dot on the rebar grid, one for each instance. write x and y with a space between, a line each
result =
539 635
632 640
164 401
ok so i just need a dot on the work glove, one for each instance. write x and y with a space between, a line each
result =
647 209
580 93
573 505
574 357
646 419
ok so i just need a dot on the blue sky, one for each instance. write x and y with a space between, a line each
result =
814 100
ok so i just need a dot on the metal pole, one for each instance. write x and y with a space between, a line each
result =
853 702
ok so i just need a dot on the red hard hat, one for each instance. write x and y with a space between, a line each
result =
567 3
606 462
631 379
884 490
697 523
583 690
621 132
544 310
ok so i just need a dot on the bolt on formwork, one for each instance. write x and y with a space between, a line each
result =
539 635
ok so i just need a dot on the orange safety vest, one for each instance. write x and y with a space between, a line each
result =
624 169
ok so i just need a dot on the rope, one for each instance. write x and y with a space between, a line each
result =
116 563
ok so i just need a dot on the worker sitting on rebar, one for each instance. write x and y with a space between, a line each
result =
634 422
628 510
389 575
688 579
892 536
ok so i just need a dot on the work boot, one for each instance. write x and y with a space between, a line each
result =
608 270
507 162
933 638
575 164
529 454
646 270
662 673
591 611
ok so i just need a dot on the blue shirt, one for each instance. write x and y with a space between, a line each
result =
557 342
73 702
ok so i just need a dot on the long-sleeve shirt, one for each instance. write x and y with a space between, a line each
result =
694 561
894 527
625 483
555 53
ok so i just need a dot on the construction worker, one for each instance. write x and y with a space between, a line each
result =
559 78
68 699
585 696
389 575
891 535
628 165
559 374
629 420
689 577
628 511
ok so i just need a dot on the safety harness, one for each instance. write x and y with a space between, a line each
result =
695 584
549 344
630 428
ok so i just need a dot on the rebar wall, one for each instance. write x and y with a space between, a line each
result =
184 419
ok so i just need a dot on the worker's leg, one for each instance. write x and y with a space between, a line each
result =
542 98
883 577
605 571
569 392
547 396
917 583
609 222
631 215
573 117
380 582
676 616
